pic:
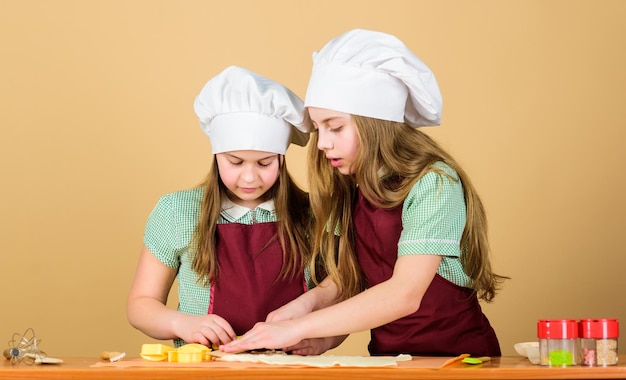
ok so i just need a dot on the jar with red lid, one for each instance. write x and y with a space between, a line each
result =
558 342
598 341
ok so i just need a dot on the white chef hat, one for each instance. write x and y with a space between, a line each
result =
241 110
374 74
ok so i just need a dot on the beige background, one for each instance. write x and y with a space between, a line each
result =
97 122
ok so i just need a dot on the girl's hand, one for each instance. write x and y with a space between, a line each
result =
292 310
315 346
319 297
204 329
264 335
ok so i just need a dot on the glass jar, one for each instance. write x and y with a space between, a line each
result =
598 341
558 342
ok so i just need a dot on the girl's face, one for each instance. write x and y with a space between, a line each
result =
248 174
337 137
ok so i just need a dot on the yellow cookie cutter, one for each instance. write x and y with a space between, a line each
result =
188 353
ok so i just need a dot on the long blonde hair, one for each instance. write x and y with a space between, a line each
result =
293 228
405 153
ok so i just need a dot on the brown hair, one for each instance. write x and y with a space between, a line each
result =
293 227
405 153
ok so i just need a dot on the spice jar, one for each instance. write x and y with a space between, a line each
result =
598 341
558 342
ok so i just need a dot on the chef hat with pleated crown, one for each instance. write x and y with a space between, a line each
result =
241 110
374 74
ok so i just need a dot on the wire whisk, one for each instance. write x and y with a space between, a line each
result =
24 348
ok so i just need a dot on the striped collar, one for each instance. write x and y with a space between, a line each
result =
236 211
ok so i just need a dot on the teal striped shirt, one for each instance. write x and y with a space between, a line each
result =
433 220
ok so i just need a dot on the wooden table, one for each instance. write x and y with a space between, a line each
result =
498 368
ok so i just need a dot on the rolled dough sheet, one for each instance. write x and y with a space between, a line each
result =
317 360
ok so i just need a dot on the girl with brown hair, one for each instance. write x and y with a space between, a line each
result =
239 243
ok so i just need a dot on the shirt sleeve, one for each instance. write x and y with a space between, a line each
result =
433 216
160 233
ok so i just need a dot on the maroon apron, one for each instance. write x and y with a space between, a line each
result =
248 284
449 321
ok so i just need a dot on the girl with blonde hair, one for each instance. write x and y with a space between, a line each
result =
401 230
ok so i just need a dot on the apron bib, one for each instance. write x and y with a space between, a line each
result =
449 321
248 285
